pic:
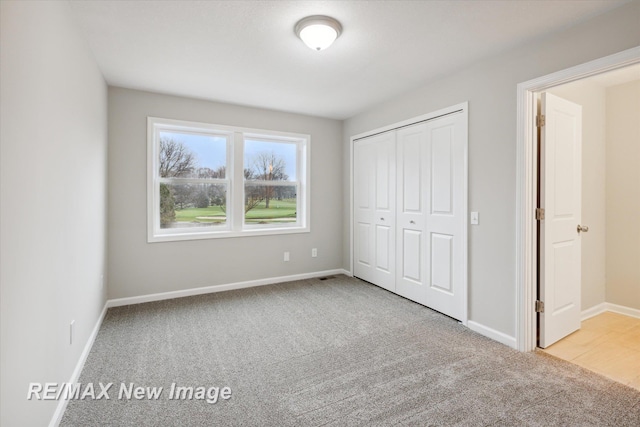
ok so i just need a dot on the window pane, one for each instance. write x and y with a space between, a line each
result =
192 205
187 155
269 161
265 204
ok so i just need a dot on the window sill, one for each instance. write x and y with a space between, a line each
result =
177 237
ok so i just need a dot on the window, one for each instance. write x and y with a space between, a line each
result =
208 181
271 184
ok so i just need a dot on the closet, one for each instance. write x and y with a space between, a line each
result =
409 210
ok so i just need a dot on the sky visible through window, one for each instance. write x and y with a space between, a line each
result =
210 151
285 151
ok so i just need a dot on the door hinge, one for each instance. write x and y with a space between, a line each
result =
539 306
540 120
539 214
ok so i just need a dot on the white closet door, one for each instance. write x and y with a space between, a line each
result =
374 206
445 208
409 223
413 194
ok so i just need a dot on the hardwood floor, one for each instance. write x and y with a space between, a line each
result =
608 344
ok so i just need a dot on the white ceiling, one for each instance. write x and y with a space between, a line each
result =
245 52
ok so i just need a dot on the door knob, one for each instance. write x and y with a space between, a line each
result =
583 228
381 219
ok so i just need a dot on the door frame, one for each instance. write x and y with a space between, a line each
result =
526 191
463 108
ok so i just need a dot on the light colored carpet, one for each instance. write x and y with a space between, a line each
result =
333 352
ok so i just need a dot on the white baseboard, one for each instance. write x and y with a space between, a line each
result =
607 306
620 309
488 332
62 403
219 288
593 311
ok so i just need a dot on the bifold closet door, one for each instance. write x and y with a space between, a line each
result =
410 212
375 210
445 215
412 202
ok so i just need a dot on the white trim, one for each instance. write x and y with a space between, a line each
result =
223 234
463 108
413 120
219 288
351 202
525 182
593 311
488 332
62 404
465 215
620 309
609 307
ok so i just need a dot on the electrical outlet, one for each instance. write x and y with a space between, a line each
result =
314 252
286 256
71 331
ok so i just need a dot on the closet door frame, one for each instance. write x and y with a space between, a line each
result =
462 108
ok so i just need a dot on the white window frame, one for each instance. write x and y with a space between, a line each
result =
234 180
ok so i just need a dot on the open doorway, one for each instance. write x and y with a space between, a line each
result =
592 317
526 185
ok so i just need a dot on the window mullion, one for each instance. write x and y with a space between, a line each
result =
238 182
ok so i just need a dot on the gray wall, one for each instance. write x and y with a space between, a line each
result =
592 97
139 268
53 150
623 195
490 88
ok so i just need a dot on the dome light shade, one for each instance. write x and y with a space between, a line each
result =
318 32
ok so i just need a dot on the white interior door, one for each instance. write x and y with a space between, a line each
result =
445 219
375 210
432 214
412 195
560 197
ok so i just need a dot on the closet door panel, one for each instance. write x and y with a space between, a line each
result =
412 200
441 166
375 210
446 216
363 255
383 245
364 156
441 262
412 257
383 176
385 213
411 170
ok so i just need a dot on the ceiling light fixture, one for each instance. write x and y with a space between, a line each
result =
318 31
